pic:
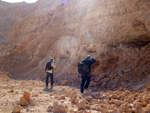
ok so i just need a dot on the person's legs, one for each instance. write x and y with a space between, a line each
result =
88 78
47 79
82 83
51 75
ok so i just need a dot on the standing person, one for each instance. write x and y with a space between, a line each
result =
49 69
84 69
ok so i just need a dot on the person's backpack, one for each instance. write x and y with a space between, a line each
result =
48 66
83 68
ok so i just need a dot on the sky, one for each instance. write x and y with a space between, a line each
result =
15 1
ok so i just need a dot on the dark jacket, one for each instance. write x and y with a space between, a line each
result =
89 63
48 66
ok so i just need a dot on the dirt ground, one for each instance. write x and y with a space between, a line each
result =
92 101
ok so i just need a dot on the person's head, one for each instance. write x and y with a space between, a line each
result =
51 60
89 57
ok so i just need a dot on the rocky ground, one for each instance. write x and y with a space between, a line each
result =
30 96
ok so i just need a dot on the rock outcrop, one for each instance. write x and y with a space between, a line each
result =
116 33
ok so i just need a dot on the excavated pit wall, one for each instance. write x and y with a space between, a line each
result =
115 33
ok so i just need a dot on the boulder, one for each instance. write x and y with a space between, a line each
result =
26 95
25 99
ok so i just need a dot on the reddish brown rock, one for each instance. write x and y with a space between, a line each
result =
26 95
17 109
50 108
65 82
25 99
81 105
59 108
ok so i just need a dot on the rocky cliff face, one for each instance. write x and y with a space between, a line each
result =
9 14
115 33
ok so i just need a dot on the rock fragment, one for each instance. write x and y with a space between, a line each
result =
65 82
58 108
17 109
25 99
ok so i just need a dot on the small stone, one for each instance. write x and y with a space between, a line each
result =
95 107
73 99
85 101
26 95
65 82
89 98
144 102
35 95
11 91
88 107
33 82
137 105
93 84
135 110
59 108
23 101
41 92
27 110
117 102
81 105
32 103
50 108
17 109
23 82
62 97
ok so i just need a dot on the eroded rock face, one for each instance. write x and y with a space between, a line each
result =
115 33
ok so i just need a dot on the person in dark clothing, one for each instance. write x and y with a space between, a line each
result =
86 77
49 69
